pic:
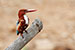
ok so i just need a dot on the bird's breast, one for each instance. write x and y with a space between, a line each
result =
26 19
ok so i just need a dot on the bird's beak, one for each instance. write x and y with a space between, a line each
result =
31 10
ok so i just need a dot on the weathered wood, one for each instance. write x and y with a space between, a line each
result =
20 42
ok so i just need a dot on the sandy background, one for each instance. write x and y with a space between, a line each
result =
58 17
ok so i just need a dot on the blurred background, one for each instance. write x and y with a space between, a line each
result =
58 17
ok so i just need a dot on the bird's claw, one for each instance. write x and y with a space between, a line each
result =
26 31
22 36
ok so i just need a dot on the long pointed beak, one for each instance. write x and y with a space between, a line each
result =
31 10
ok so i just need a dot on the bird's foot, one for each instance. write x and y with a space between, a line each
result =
26 31
22 36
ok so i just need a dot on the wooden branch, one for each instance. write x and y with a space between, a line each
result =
20 42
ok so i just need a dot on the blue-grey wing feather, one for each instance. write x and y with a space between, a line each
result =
16 29
17 23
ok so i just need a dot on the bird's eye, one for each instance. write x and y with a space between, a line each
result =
25 10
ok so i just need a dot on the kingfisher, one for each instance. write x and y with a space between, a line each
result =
23 21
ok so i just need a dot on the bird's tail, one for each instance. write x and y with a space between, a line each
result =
17 32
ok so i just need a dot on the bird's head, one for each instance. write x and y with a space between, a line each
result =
24 11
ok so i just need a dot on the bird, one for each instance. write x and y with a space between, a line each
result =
23 21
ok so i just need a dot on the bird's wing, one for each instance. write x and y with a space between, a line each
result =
17 27
17 23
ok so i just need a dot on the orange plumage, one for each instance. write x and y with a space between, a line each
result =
23 21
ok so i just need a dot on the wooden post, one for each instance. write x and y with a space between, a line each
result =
20 42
